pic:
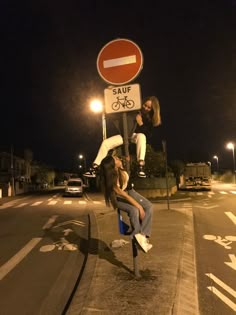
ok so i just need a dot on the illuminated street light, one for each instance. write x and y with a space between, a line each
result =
217 161
230 146
82 158
97 107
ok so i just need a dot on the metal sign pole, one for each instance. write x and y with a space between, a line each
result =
126 141
166 171
126 149
104 126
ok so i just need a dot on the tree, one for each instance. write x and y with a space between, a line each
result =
43 174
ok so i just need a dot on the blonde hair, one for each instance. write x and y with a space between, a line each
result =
156 117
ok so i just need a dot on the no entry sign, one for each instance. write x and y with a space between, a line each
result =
119 61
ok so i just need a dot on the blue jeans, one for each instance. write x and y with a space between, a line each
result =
138 226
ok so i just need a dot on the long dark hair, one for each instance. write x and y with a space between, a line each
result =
155 113
109 178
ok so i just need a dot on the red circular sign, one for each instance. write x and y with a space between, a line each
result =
119 61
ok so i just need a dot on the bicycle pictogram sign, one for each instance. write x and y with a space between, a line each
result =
122 99
122 102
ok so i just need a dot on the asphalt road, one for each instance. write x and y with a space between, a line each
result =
43 243
215 235
43 248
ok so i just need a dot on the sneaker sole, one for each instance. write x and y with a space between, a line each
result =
91 176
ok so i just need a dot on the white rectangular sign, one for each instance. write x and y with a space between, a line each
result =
122 98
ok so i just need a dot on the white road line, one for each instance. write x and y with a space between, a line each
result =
110 63
231 216
82 202
7 205
233 192
50 222
36 203
223 298
21 205
97 202
76 222
222 284
223 193
67 202
17 258
52 202
232 262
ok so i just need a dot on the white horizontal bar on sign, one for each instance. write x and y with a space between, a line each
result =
119 61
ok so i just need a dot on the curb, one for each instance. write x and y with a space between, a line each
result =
186 301
79 298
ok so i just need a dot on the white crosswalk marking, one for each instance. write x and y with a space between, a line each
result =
52 202
7 205
21 205
67 202
36 203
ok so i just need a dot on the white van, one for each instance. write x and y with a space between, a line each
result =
74 187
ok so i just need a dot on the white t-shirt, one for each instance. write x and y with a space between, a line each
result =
125 180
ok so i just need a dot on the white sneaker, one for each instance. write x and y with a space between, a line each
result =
141 172
142 241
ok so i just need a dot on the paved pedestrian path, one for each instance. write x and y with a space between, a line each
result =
168 280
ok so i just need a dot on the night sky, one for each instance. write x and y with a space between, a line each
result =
48 66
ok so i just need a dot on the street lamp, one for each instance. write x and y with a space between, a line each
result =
230 146
82 158
217 161
97 107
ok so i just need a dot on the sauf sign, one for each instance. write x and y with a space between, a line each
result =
119 62
122 99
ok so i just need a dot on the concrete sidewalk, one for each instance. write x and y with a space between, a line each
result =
168 282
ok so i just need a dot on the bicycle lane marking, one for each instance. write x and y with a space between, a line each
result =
219 294
50 222
225 241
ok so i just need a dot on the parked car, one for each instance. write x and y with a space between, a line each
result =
74 187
